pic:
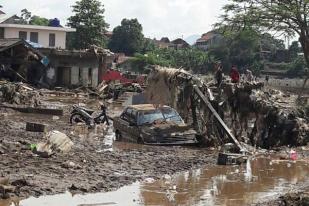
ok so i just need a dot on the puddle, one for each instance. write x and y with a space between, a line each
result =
217 185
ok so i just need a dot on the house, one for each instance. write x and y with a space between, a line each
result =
163 43
43 36
37 54
175 44
208 40
179 44
74 68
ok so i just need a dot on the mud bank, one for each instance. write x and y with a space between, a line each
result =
93 164
296 197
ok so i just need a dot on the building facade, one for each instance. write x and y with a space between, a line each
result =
45 36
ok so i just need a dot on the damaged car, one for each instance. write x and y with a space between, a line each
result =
146 124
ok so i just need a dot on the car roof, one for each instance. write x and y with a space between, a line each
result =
145 107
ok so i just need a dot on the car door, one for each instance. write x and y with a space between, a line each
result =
124 122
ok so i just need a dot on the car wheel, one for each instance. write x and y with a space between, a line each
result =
118 135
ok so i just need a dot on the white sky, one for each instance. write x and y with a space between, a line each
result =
172 18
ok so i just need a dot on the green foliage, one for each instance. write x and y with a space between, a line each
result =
294 49
90 25
240 48
148 46
37 20
297 67
188 59
128 37
285 17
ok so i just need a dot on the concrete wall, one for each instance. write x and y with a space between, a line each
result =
43 36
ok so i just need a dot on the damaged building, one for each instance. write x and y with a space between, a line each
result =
38 55
49 67
74 68
19 61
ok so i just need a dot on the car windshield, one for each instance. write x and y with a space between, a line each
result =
165 114
171 115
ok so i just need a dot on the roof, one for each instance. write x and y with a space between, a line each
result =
144 107
36 27
179 41
76 53
6 44
206 37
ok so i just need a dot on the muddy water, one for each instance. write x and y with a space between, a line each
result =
219 185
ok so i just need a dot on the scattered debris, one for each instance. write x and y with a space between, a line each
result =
56 142
35 127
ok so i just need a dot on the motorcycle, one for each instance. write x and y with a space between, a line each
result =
82 114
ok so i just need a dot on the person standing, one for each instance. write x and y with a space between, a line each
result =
219 75
234 74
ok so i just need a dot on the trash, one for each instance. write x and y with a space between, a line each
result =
56 142
56 117
293 155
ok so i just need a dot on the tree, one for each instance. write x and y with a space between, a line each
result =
128 37
294 49
90 25
37 20
188 59
288 17
25 16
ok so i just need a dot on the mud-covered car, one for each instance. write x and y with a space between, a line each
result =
146 124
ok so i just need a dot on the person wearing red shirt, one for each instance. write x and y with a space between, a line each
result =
234 74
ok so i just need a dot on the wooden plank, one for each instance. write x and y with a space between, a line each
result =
217 116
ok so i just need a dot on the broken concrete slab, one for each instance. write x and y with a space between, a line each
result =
35 110
35 127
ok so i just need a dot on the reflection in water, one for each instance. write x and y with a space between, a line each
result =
216 185
248 173
225 185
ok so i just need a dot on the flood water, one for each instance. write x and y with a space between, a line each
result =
218 185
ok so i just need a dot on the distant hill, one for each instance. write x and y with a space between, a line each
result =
192 39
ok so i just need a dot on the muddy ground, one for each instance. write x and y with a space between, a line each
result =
96 163
91 166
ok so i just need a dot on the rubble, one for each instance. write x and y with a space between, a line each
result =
56 142
19 94
274 115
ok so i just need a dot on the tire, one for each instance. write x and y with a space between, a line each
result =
76 118
118 136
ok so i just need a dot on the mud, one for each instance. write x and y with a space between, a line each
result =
94 164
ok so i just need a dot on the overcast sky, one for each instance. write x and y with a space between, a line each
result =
172 18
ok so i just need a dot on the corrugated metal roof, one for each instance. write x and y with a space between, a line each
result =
9 43
4 43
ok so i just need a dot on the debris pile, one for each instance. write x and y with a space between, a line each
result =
262 118
19 94
276 117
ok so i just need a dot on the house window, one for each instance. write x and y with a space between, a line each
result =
22 35
1 33
52 40
34 37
